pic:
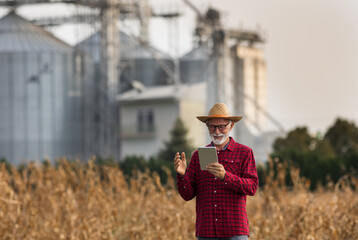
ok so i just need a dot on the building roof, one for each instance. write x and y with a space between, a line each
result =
20 35
176 92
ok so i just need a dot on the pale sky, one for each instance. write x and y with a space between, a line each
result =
311 51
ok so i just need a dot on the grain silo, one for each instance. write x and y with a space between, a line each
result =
40 102
197 65
138 62
147 65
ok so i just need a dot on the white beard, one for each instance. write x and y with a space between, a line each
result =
223 139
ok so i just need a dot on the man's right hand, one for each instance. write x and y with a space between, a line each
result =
180 163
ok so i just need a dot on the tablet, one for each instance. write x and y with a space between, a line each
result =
207 155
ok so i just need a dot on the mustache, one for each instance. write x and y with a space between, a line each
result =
217 135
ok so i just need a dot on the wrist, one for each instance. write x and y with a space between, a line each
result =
223 177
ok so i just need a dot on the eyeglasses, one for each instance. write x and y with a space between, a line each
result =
212 128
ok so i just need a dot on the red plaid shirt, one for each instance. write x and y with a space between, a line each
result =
221 205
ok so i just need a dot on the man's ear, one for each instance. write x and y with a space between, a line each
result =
232 125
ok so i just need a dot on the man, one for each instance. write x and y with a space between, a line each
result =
221 190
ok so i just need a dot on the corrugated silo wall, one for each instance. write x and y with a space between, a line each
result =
40 109
147 71
193 71
89 90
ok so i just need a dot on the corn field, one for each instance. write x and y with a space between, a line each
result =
88 202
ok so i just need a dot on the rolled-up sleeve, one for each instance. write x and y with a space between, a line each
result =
186 183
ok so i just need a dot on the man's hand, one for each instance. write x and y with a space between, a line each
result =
180 163
217 170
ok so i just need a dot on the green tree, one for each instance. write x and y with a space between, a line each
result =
343 136
178 142
132 164
315 157
300 141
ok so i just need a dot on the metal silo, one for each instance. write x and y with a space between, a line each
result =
144 63
40 102
138 62
91 46
196 65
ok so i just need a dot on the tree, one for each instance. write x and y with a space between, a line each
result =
315 157
343 136
178 142
300 141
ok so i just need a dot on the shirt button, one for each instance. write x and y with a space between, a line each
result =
216 219
215 178
225 182
232 161
214 191
216 205
184 187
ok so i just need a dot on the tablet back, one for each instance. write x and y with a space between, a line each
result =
207 155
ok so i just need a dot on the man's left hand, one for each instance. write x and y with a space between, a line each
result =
217 170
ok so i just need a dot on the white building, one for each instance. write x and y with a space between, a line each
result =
146 117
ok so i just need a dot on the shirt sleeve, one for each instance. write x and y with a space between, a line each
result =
187 183
247 183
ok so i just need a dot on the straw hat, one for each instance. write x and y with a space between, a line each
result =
219 110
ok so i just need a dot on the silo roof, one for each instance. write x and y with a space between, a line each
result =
198 53
95 39
130 47
92 44
20 35
143 52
